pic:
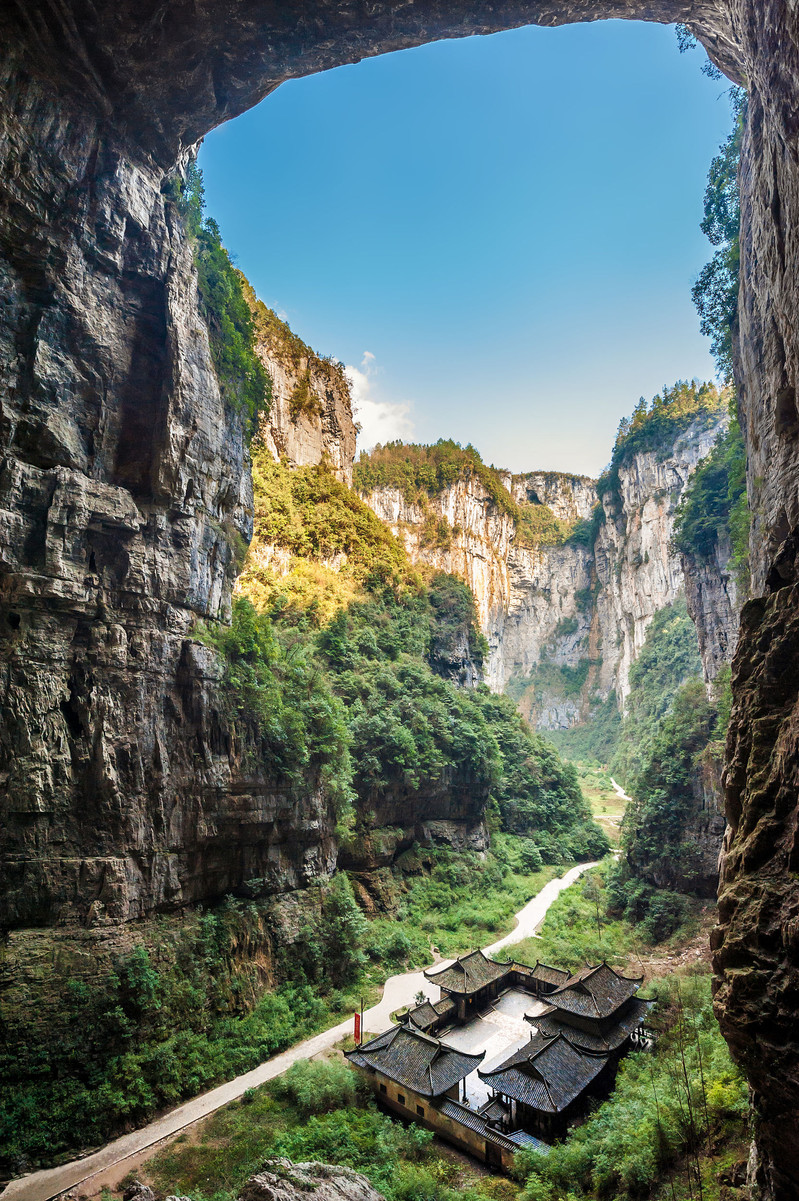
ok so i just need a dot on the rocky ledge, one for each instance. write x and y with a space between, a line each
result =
282 1180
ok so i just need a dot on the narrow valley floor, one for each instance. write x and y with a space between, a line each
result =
107 1166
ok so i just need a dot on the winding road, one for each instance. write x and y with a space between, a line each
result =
397 992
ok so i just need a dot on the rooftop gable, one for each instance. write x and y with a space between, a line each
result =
469 974
410 1057
595 992
606 1038
547 1074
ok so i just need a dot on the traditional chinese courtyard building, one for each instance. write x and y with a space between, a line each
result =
415 1067
544 1084
474 980
554 1040
470 982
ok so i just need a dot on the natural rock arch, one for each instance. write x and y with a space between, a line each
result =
106 558
168 71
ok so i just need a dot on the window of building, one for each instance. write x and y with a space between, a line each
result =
400 1098
383 1088
420 1110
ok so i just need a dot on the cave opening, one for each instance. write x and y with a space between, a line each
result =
532 240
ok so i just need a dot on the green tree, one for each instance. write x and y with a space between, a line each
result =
243 381
715 292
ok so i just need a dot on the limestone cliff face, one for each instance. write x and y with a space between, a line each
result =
310 418
570 497
637 571
123 484
473 543
714 598
450 814
563 623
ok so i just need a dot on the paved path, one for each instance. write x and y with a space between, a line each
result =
532 916
617 788
398 991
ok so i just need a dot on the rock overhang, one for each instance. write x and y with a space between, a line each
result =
167 72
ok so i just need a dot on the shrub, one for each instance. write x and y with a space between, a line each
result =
244 383
318 1087
284 713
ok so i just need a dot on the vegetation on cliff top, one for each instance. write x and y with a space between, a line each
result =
421 472
244 383
655 427
283 344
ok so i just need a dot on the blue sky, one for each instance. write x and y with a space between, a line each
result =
498 235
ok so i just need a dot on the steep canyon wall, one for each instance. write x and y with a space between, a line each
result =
564 623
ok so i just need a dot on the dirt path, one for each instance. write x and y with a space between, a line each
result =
617 788
126 1152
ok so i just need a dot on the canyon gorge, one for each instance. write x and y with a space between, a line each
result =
585 604
126 499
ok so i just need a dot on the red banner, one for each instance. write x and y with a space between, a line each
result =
357 1027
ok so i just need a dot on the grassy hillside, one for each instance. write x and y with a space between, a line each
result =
386 640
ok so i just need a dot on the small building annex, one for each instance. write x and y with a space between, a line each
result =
555 1040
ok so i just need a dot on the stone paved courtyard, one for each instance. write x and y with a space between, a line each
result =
498 1031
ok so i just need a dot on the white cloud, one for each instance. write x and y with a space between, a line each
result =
380 420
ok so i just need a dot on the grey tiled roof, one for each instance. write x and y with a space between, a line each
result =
412 1058
546 1073
595 992
469 973
422 1016
542 971
475 1121
494 1110
549 975
426 1015
522 1139
608 1038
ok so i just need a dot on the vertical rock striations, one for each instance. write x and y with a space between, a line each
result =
637 569
310 418
714 601
123 490
563 622
757 938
